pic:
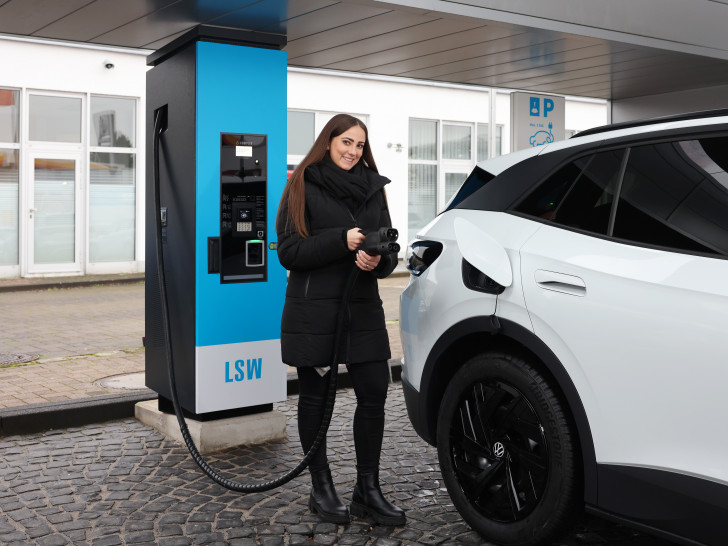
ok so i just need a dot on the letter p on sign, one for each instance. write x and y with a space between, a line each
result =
548 106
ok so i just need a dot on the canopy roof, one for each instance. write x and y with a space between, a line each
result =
607 49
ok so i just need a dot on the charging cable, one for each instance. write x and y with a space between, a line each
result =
381 242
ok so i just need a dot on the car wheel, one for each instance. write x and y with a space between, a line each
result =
507 453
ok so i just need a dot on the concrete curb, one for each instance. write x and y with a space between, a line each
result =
70 413
110 407
47 283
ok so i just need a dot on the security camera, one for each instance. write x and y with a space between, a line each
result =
108 64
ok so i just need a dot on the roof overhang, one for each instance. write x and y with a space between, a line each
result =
605 49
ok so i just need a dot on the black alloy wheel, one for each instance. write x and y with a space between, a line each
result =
507 452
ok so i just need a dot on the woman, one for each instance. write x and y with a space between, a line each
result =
333 196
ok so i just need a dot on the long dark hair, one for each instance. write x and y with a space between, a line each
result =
294 194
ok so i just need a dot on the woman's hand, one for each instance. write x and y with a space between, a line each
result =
354 238
365 262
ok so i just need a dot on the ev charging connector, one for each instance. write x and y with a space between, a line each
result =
381 242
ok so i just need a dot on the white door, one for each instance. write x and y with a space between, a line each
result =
53 207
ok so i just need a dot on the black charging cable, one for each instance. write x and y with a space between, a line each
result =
380 242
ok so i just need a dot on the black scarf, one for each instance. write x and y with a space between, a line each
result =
352 187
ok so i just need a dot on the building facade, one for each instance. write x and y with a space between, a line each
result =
72 141
71 183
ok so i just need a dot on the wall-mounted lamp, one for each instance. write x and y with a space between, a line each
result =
397 147
108 64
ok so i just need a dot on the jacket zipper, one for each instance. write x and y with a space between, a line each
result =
348 335
348 307
305 288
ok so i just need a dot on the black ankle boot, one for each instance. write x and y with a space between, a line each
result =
324 501
368 499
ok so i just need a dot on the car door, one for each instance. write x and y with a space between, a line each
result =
635 304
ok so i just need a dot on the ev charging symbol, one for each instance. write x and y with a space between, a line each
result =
535 106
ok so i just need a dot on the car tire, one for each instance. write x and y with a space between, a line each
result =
507 452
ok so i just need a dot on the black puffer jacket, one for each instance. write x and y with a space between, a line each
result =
319 266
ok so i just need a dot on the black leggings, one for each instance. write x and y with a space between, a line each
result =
370 381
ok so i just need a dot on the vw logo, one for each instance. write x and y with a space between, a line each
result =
498 449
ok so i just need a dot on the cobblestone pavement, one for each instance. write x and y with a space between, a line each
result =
124 483
121 482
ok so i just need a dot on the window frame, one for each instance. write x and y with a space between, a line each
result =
95 267
12 270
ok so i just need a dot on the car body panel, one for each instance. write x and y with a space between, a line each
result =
419 328
483 251
646 333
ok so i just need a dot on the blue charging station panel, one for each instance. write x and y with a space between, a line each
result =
222 171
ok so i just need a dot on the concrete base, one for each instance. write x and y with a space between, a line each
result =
212 436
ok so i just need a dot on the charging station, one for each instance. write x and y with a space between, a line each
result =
221 95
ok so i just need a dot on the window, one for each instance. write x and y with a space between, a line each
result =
9 115
112 180
456 142
483 149
442 155
453 181
55 119
676 195
422 174
9 183
580 194
113 122
301 132
9 175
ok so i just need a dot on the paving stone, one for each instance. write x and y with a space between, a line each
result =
108 541
243 542
353 540
121 482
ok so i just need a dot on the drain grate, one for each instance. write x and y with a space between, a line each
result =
17 358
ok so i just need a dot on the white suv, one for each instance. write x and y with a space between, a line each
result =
565 334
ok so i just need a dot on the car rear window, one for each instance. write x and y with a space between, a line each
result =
477 179
580 194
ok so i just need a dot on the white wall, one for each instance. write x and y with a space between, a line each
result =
584 114
49 66
391 102
695 100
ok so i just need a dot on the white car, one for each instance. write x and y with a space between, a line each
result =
565 334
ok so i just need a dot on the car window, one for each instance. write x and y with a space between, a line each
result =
542 202
477 179
579 194
675 194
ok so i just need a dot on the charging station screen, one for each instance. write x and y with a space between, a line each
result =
243 196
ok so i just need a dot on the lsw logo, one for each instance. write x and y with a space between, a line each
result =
252 366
